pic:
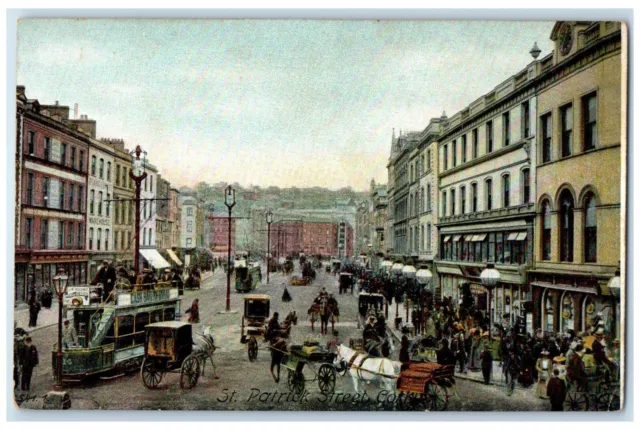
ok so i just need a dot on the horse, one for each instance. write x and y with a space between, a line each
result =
366 369
278 343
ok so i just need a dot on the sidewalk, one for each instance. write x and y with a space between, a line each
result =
46 317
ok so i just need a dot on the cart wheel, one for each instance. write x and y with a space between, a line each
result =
151 376
189 373
327 378
295 381
412 401
252 349
437 397
576 401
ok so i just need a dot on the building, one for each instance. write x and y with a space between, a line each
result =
52 163
219 234
148 207
363 227
164 225
122 208
311 236
286 237
175 216
188 202
581 120
379 206
100 192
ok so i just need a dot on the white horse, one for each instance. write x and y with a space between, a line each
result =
366 369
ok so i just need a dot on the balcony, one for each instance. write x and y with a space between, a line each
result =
510 212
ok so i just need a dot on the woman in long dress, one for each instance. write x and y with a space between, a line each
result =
543 366
194 312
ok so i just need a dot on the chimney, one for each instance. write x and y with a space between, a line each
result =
75 111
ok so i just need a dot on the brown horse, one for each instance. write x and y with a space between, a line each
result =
279 343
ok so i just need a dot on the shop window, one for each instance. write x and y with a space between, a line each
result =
590 230
566 226
568 317
548 313
499 248
492 247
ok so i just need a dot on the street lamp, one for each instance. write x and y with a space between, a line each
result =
138 175
269 221
423 277
230 202
58 399
386 266
490 278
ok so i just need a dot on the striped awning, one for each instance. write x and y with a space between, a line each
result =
154 258
174 257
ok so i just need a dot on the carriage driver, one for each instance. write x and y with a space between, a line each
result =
370 337
273 328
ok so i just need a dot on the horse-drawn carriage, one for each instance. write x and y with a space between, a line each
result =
326 309
370 303
319 360
345 282
336 265
254 322
425 385
169 349
299 281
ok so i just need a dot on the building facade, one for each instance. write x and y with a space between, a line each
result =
164 225
219 237
379 207
148 207
175 215
52 163
578 232
188 202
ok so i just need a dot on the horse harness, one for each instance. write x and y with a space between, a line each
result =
359 368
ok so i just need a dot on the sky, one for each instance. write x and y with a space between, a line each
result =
271 103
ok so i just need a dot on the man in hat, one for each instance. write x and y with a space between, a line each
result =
370 336
458 348
576 370
404 356
106 276
69 335
599 350
486 357
177 282
556 391
28 360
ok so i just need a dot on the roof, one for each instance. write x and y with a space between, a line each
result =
168 324
257 297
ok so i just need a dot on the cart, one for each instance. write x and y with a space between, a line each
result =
319 360
254 322
425 385
169 348
370 302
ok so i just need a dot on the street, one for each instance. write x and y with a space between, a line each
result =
245 385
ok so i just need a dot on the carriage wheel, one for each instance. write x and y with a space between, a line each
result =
576 401
151 376
295 381
413 401
437 397
327 378
252 349
189 373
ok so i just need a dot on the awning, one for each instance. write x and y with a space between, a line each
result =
479 237
457 237
512 236
447 238
521 236
154 258
566 287
468 238
174 257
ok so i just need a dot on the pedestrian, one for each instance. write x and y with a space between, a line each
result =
556 391
69 335
106 276
543 366
28 360
332 344
194 312
404 346
486 357
286 297
458 347
444 355
34 310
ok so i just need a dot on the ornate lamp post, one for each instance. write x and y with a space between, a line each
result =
424 277
269 221
396 270
230 202
58 399
490 278
385 266
138 175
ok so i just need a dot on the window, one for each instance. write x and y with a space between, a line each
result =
453 202
73 157
63 154
100 203
190 226
526 124
189 211
590 229
31 141
124 176
130 183
464 148
118 174
566 119
489 187
422 237
151 184
28 232
62 187
546 230
545 120
80 194
474 143
117 212
99 239
72 189
128 239
422 201
30 182
70 235
108 171
60 235
94 161
92 198
506 184
445 157
566 226
188 241
101 168
590 121
91 238
526 186
145 183
429 159
429 237
47 148
45 192
454 153
500 247
463 199
123 205
489 130
428 197
474 197
81 160
106 240
506 129
491 257
107 208
444 203
44 234
80 229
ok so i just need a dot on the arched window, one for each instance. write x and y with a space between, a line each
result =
590 229
547 303
108 170
489 196
506 186
100 203
453 202
566 226
101 168
546 230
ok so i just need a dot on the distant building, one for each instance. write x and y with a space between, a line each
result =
219 234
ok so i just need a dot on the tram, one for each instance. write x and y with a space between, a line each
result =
248 275
111 336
